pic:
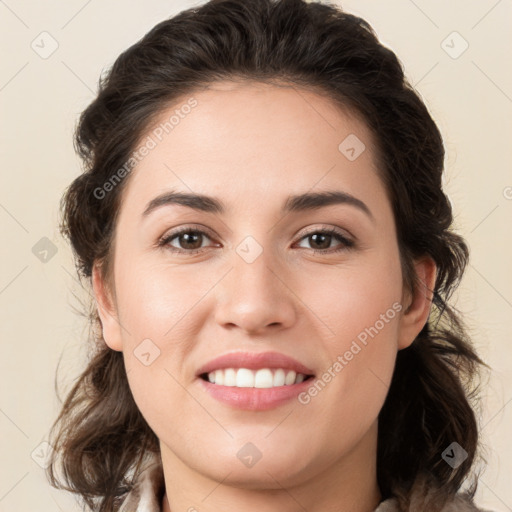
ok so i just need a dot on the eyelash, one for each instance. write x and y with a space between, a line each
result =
346 244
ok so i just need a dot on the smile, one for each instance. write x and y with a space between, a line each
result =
261 378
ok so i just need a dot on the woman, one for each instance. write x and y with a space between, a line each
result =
262 221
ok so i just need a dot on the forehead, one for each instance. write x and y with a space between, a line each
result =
253 140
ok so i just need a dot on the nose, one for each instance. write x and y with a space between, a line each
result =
255 297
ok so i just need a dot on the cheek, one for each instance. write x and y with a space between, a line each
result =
348 396
361 308
161 310
350 298
155 300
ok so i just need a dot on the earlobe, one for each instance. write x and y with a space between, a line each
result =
106 310
416 314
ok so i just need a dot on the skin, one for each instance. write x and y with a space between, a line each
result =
251 145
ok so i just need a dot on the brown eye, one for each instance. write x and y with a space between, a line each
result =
187 241
321 240
190 240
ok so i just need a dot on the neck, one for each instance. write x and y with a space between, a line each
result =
347 485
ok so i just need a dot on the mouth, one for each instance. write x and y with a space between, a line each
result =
262 378
254 390
254 381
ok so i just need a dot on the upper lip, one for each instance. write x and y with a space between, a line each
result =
254 361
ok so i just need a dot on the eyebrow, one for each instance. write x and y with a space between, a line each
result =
296 203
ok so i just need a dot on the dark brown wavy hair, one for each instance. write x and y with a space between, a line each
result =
100 437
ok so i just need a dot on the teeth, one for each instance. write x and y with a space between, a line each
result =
244 378
219 377
262 378
229 377
290 378
279 377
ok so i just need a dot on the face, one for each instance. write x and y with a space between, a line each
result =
258 271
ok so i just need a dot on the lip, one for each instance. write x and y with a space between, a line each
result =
254 399
254 361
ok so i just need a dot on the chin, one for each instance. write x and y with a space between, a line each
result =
260 464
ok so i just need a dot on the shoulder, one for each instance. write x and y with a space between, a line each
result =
460 503
147 492
423 497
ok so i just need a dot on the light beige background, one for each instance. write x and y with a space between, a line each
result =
470 97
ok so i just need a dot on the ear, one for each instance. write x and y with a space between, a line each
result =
106 310
419 302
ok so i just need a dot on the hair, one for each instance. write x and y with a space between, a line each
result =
100 437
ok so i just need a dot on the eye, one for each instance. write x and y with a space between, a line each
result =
324 237
189 240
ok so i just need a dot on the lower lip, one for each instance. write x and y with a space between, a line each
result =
255 399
